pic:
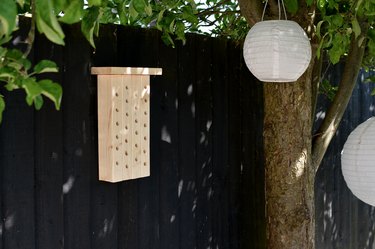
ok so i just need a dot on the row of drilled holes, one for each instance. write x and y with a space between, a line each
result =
136 132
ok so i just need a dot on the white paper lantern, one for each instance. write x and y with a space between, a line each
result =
358 161
277 51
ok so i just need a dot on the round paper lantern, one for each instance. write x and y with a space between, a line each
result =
358 161
277 51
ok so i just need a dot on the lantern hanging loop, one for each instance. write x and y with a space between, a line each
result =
278 5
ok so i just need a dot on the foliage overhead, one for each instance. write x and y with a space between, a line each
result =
335 23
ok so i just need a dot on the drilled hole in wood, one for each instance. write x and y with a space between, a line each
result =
145 100
126 87
145 113
136 121
144 125
126 153
145 87
145 164
117 124
126 166
126 127
136 159
126 141
144 151
116 163
136 132
117 136
136 145
126 101
116 94
116 148
117 110
145 138
135 107
127 114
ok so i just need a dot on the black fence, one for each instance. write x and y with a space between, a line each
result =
206 187
206 183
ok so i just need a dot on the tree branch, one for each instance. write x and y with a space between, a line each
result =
336 110
316 78
31 36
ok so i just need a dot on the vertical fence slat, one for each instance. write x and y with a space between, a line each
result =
167 109
49 158
204 142
78 146
187 150
220 124
17 162
234 143
252 183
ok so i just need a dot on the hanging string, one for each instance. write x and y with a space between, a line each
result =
282 3
278 5
264 9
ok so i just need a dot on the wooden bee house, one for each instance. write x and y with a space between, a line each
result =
124 122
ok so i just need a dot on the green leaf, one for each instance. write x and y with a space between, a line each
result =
356 27
8 15
291 6
167 39
38 102
337 20
14 54
46 66
95 2
32 89
73 13
2 107
8 72
139 5
309 2
46 21
148 10
132 11
373 92
60 5
90 24
21 3
52 90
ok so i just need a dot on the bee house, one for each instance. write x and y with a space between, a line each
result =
124 122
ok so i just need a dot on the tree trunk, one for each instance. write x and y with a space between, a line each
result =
289 173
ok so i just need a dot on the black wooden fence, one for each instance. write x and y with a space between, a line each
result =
206 184
343 221
206 187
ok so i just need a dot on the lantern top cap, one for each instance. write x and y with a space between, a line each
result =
276 21
126 71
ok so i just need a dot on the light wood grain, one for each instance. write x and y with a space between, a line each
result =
126 71
123 127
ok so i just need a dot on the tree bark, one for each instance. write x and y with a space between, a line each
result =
289 172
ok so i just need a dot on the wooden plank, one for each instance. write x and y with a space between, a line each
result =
49 158
187 186
103 196
17 163
234 140
204 165
78 134
220 146
252 213
126 71
167 108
